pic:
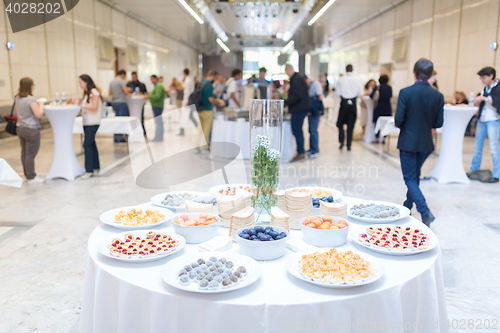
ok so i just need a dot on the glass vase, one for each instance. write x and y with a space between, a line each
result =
266 121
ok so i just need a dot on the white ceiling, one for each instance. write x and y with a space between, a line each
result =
170 16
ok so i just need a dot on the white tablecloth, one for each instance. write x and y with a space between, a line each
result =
450 165
135 104
65 164
369 131
239 133
125 297
8 176
386 126
112 125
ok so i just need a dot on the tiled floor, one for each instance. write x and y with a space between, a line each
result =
44 228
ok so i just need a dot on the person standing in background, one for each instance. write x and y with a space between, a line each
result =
299 104
317 109
233 85
488 124
349 89
371 91
219 86
383 108
118 90
262 76
137 87
206 114
156 98
433 80
187 113
420 109
326 85
173 92
29 112
91 118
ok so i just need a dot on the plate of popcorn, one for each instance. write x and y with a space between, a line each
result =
211 272
333 268
395 240
175 199
378 212
141 245
136 217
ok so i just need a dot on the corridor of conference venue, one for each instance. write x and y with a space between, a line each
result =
210 166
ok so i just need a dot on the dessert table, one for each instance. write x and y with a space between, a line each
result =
369 136
450 165
64 164
238 132
132 297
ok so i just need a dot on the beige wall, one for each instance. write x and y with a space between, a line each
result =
56 53
454 34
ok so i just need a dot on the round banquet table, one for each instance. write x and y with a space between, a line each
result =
135 104
450 166
132 297
64 164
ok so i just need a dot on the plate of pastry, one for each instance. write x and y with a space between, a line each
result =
395 240
378 212
332 268
141 245
211 272
230 189
175 199
136 217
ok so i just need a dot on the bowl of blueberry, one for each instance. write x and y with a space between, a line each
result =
262 243
316 201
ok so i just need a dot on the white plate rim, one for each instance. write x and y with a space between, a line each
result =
433 242
168 216
292 263
161 196
103 249
255 276
404 212
336 194
215 189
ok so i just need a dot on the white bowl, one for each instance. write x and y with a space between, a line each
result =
196 234
325 238
263 250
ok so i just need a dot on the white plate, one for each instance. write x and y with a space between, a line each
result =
292 265
103 246
403 212
433 242
214 190
157 199
337 195
170 269
109 217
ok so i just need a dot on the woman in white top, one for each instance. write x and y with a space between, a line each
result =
91 114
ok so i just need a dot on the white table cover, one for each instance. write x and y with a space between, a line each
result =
135 104
386 126
450 165
126 297
8 176
65 164
111 125
369 136
239 133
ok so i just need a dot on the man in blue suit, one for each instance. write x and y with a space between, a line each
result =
420 109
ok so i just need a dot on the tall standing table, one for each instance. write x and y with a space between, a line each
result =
135 104
64 164
450 166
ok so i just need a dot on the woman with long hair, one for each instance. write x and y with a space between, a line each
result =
29 112
91 114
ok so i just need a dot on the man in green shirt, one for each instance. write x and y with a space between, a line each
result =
206 116
156 98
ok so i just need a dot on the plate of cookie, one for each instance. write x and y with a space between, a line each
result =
395 240
211 272
175 199
378 212
141 246
136 217
333 268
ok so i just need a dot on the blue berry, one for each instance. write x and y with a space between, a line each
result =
259 229
252 232
213 259
260 234
278 238
273 234
244 231
246 236
330 198
283 234
265 238
253 237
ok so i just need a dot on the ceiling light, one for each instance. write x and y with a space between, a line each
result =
279 35
222 45
191 11
321 12
288 47
287 35
223 36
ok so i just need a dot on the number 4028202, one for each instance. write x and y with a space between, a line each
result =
485 324
33 8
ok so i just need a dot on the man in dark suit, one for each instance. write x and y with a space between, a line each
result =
420 109
299 104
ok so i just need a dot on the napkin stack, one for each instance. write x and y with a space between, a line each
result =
241 219
298 206
227 206
279 218
281 201
333 209
196 207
